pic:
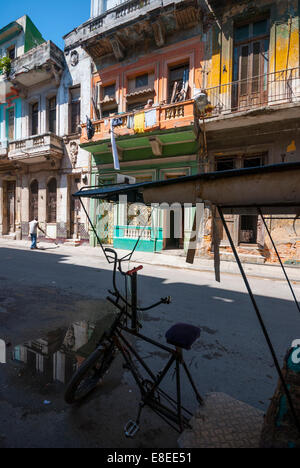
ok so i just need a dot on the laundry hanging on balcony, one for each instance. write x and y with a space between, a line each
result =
139 122
90 129
150 118
114 147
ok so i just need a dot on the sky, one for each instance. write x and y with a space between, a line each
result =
53 18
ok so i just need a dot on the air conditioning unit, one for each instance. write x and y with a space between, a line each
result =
125 179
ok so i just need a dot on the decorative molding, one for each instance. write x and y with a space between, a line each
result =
74 58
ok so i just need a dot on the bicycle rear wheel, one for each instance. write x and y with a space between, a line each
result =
87 377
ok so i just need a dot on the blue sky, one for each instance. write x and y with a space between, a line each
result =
53 18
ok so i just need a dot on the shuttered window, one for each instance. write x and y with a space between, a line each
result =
52 114
74 109
34 119
11 124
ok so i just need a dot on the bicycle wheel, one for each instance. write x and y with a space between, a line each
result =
87 377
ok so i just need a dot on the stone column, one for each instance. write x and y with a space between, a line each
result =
18 205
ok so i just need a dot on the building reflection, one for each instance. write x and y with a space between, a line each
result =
57 355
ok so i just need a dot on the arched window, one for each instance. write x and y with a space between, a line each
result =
33 199
51 200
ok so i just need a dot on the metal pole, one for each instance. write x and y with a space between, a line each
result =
282 266
264 330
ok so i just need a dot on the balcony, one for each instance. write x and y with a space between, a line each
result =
128 25
44 62
37 149
265 92
167 117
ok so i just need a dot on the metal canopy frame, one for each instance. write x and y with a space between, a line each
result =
226 191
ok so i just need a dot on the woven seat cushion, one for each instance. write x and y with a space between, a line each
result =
182 335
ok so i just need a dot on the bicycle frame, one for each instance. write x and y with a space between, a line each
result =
150 389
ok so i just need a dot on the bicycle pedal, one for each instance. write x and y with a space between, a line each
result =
131 428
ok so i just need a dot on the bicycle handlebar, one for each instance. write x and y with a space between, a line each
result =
117 264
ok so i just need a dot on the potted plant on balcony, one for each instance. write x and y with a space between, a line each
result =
5 66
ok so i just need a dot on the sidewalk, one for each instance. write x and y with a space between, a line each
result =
171 261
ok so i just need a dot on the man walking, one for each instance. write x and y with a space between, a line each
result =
33 227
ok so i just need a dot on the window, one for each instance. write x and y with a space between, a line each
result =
141 81
51 200
109 91
107 113
11 123
249 223
11 52
34 119
52 114
178 83
107 100
74 109
225 164
134 106
253 162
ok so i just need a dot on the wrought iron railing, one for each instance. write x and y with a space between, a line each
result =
255 92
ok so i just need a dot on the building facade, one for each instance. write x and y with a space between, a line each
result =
143 56
244 56
136 69
41 163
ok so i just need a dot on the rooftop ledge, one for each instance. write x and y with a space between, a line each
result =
175 15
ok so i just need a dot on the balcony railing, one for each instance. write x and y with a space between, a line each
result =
168 116
281 87
40 146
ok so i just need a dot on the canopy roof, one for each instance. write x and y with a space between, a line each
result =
273 188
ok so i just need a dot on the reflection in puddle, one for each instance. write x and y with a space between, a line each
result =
57 355
2 352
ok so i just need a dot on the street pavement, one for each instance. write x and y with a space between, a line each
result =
55 286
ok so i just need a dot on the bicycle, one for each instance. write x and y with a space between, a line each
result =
181 335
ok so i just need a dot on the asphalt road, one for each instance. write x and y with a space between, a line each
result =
52 288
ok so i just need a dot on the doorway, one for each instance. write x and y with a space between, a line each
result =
11 206
33 200
75 183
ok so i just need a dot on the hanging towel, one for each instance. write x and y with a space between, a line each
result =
139 122
114 147
150 118
130 121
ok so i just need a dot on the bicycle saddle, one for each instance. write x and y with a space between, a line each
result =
182 335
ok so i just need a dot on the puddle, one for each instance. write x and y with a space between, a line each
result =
42 363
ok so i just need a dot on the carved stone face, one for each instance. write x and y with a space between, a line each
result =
74 58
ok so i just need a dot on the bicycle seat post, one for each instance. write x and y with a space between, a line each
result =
133 278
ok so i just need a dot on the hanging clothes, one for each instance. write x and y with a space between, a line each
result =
150 118
114 147
130 121
139 122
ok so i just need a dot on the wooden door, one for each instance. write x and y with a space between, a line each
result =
11 191
251 64
33 200
74 204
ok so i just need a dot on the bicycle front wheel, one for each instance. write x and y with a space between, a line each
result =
87 377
